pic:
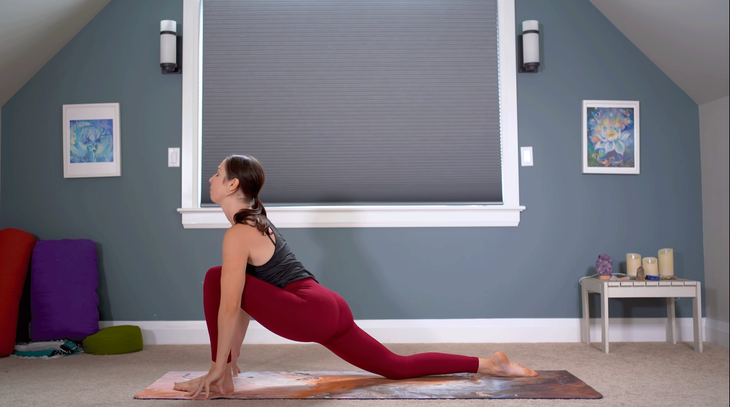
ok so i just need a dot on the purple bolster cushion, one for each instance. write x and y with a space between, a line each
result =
63 299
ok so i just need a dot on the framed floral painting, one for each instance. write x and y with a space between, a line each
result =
610 137
91 141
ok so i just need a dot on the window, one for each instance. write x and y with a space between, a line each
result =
388 214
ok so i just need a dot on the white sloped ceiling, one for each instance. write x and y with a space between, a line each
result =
686 39
33 31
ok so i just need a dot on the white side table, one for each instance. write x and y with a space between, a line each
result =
668 289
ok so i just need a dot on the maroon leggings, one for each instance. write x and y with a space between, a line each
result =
305 311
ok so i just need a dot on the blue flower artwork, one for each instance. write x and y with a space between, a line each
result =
92 141
611 137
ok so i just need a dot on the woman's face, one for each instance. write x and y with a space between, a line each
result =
218 184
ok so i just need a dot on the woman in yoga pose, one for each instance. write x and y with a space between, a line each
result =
261 278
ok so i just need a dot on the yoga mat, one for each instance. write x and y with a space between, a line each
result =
554 384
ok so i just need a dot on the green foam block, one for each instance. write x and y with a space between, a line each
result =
114 340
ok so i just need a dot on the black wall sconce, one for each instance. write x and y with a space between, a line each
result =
170 47
528 47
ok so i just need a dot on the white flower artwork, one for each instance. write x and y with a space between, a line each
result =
610 137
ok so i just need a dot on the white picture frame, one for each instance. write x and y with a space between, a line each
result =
91 141
611 137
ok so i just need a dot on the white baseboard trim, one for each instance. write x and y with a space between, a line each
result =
717 332
518 330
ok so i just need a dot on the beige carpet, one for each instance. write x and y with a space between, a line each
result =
633 374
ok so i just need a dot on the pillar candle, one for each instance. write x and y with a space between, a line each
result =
666 262
650 266
633 262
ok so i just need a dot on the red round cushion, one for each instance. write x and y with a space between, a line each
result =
16 247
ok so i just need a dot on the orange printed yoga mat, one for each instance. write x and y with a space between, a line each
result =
554 384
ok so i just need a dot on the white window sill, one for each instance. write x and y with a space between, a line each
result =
365 216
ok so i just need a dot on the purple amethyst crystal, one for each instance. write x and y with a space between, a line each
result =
604 267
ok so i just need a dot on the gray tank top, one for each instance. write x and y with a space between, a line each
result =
283 268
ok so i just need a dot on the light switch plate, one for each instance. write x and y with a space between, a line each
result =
173 157
526 155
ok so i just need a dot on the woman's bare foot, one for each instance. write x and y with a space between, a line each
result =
192 385
500 365
189 385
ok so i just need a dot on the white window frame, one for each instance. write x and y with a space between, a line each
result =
506 214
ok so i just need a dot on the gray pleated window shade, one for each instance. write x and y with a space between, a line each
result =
355 101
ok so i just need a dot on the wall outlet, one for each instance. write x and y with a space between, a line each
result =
526 154
173 157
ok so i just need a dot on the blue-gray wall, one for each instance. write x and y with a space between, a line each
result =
152 269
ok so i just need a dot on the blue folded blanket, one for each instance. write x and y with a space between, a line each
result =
47 350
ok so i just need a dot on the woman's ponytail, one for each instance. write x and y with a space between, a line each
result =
255 216
257 204
251 179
